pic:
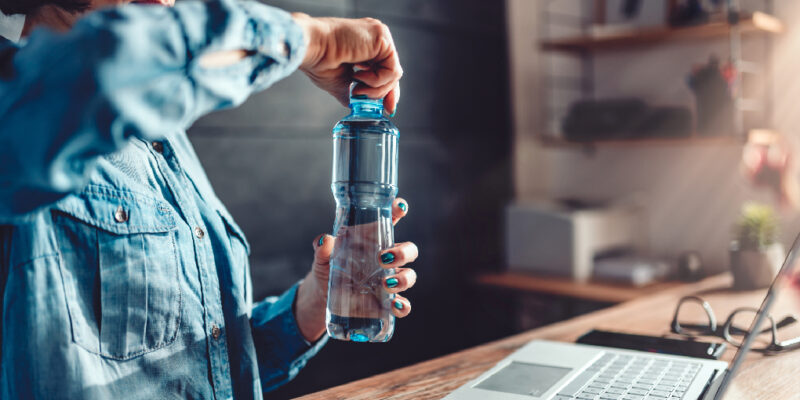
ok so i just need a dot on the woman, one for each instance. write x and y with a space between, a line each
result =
121 273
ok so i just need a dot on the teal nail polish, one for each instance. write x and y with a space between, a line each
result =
398 304
403 206
391 282
392 114
387 258
322 240
360 96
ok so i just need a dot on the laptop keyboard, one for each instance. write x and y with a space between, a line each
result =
630 377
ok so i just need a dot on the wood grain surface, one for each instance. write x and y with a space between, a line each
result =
565 287
762 377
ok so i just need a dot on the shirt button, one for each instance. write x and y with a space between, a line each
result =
120 215
158 147
199 232
215 331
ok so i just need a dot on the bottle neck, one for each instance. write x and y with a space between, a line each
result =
366 107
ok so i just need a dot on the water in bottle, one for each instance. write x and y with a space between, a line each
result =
364 184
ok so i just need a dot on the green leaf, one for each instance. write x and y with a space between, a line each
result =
757 227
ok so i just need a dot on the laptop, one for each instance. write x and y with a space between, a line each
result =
568 371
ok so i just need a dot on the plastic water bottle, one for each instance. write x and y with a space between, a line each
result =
364 184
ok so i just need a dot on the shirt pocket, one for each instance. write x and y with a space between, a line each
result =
120 271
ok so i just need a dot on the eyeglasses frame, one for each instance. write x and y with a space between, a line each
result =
712 328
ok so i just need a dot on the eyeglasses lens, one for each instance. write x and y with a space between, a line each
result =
741 321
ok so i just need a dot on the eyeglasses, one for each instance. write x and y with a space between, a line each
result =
735 328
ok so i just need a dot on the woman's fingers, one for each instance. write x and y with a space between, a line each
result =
378 76
323 246
374 92
399 209
402 280
400 306
395 257
399 255
391 100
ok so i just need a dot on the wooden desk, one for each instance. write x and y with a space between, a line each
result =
773 377
565 287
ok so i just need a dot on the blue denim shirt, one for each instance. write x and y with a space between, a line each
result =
122 275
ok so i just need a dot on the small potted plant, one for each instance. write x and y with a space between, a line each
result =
756 257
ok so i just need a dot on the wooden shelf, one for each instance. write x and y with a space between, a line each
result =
565 287
550 141
757 22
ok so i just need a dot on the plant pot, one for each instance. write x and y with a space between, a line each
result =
755 269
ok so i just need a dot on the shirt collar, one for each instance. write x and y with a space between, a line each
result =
11 26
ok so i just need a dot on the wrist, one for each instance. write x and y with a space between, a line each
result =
309 309
311 36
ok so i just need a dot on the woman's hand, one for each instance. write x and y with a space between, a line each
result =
335 45
312 294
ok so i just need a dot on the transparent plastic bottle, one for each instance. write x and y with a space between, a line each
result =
364 184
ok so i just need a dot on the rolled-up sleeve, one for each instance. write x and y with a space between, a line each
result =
130 71
280 347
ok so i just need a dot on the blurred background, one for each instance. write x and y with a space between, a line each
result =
558 157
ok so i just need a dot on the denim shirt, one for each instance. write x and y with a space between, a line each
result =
122 275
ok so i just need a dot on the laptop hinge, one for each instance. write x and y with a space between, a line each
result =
712 386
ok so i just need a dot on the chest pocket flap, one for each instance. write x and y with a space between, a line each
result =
120 212
119 263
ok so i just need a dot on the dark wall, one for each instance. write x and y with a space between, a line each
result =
270 162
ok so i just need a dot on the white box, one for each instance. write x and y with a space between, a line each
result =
548 238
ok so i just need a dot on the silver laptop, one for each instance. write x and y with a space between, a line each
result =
566 371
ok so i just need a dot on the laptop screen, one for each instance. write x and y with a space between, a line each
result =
783 292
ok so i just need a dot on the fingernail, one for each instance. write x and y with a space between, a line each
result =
359 96
321 240
403 206
393 113
398 304
387 258
391 282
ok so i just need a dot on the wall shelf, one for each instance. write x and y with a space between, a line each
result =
554 142
758 22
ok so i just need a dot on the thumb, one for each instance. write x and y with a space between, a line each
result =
323 246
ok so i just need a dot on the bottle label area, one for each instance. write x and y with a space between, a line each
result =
359 307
